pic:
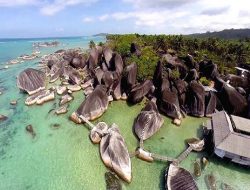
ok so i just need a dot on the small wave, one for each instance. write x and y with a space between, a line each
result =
2 42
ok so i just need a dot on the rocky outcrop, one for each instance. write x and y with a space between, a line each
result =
135 49
129 79
93 58
61 90
31 80
40 97
196 99
74 88
3 117
118 64
97 132
61 110
148 122
107 54
115 154
93 106
233 102
179 179
237 81
65 99
208 69
140 90
210 102
169 104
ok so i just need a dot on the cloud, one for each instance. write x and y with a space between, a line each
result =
104 17
215 11
184 16
56 6
14 3
88 19
158 3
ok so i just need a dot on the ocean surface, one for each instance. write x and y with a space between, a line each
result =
63 158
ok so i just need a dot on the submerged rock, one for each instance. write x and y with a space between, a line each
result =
148 122
211 182
3 117
112 182
13 102
115 154
31 80
179 179
29 129
197 168
93 106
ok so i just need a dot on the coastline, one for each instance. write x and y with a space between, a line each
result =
71 148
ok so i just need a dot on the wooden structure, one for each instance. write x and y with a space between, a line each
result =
231 137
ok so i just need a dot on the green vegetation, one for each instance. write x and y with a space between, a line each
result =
91 44
146 63
225 53
204 81
226 34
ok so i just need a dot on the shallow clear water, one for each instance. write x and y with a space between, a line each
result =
64 158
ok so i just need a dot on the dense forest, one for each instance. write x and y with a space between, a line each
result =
225 34
227 54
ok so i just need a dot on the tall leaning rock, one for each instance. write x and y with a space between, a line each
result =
31 80
93 106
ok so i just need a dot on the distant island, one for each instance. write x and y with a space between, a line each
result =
225 34
101 34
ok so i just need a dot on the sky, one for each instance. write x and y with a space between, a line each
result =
56 18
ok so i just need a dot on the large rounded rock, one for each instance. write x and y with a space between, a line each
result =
208 69
233 102
31 80
93 106
169 104
237 81
139 91
108 54
78 62
93 59
181 87
118 64
196 99
129 79
210 102
115 154
174 63
179 179
148 122
135 49
157 79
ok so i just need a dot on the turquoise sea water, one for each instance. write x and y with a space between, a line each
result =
65 159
